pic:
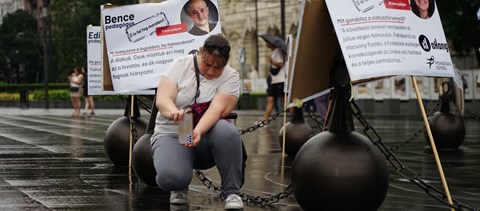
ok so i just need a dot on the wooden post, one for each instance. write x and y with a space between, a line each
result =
283 135
130 148
432 142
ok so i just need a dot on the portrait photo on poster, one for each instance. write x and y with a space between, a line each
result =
424 9
200 16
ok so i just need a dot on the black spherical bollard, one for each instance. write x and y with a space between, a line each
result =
117 139
142 160
339 171
297 132
448 130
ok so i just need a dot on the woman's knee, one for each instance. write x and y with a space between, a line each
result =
173 180
226 130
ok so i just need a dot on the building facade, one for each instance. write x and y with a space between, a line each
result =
10 6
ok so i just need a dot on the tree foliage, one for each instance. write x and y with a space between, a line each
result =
21 55
70 19
461 25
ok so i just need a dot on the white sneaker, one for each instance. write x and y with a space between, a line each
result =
179 197
233 201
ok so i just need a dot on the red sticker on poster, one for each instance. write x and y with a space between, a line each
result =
172 29
397 4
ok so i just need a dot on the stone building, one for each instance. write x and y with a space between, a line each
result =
244 21
10 6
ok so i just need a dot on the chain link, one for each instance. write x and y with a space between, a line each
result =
260 123
134 129
369 131
469 113
400 168
418 131
311 114
144 105
262 200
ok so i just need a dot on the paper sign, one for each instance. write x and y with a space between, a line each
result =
388 37
142 40
94 64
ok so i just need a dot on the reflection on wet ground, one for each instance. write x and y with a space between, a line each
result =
56 162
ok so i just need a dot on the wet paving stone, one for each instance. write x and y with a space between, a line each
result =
56 162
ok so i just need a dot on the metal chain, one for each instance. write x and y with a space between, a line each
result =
262 200
370 132
134 129
417 132
260 123
470 113
400 168
310 113
144 106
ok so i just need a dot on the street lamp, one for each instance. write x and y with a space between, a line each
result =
45 49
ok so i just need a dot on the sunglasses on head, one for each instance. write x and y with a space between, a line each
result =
211 46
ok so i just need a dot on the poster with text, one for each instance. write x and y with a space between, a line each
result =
423 84
382 89
363 91
401 87
390 37
142 40
94 64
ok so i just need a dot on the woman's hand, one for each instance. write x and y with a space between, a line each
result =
177 115
197 135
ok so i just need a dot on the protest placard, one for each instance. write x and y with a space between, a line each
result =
389 37
94 62
142 40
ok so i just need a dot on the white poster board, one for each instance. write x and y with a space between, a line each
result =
386 38
143 39
94 64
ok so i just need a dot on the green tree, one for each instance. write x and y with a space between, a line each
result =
21 48
70 20
461 25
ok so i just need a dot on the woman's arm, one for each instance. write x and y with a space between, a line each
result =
222 104
277 64
76 80
79 79
165 99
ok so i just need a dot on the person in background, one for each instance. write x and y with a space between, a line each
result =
76 80
198 12
216 141
275 90
87 98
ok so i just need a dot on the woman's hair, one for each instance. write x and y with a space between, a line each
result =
431 7
219 47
